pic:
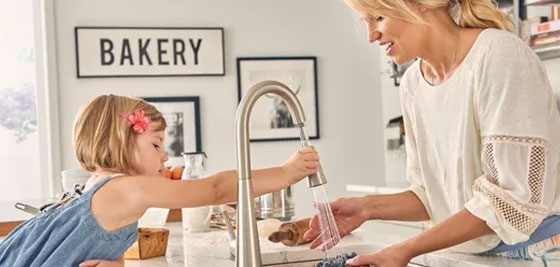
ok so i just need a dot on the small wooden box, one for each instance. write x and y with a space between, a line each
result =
174 215
152 242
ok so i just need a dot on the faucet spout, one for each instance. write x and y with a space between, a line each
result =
247 244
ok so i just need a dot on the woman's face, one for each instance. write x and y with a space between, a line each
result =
400 38
149 152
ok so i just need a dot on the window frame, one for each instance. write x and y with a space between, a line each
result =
47 97
46 86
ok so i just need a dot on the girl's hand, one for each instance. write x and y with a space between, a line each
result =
349 214
302 164
103 263
394 256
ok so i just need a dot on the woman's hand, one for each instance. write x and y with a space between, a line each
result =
394 256
103 263
349 214
302 164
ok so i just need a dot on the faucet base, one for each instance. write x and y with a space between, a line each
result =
247 243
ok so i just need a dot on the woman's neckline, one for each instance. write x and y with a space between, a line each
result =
458 69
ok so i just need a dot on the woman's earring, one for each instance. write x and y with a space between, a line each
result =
455 10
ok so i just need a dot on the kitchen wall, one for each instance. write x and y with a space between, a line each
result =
395 159
553 68
351 124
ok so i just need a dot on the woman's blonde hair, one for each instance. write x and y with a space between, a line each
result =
103 139
466 13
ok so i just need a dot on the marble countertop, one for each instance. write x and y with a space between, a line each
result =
211 249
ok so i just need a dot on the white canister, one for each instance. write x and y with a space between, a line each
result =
72 177
196 219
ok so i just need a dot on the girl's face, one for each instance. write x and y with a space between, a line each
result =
400 38
149 153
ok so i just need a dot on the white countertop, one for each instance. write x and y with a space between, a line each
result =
375 190
211 249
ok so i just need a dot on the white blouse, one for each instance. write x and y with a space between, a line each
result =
486 140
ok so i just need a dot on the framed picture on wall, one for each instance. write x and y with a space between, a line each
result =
270 117
182 134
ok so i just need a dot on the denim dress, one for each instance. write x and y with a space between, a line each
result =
65 236
547 230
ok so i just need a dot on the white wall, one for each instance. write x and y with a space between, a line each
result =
395 160
351 144
553 69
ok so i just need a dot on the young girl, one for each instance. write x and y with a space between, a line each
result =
120 140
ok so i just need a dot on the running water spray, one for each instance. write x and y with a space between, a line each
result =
329 232
334 256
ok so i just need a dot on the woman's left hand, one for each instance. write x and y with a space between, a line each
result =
394 256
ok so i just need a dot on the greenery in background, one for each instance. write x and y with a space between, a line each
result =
18 111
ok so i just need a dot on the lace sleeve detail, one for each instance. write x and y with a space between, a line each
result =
536 161
517 118
513 183
523 217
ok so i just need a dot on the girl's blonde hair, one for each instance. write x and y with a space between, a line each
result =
103 139
466 13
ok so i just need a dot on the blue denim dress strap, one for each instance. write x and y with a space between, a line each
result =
66 236
549 228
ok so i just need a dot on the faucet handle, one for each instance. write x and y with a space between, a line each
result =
228 225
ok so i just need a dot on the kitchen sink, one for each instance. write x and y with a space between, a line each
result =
305 257
301 256
312 264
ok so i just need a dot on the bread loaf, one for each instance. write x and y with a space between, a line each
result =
291 233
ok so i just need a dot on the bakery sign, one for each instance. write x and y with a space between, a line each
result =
145 52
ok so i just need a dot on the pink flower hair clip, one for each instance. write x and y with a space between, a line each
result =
138 120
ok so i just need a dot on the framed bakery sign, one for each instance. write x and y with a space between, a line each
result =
148 52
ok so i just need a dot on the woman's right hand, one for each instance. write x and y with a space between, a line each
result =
349 214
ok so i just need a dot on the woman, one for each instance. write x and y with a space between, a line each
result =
482 131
